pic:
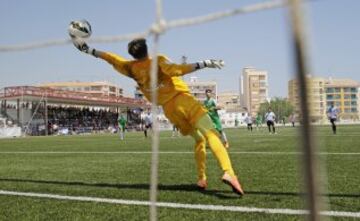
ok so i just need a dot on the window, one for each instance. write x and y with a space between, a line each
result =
329 97
329 90
96 88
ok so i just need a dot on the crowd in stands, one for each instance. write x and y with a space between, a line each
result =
13 105
76 118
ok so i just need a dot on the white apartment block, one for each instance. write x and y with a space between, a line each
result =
254 89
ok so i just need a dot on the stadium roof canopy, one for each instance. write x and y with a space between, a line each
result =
61 97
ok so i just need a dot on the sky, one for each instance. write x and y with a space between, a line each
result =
261 40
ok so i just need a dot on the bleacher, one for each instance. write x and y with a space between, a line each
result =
42 111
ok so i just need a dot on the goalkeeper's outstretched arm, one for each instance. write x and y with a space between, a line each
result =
211 63
118 62
168 67
84 47
174 69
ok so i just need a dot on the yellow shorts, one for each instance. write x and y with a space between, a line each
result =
184 111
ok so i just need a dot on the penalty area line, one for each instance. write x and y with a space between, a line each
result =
284 211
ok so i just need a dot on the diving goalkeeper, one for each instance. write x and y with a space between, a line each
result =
179 106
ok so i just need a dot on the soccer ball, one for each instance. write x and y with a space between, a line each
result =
79 29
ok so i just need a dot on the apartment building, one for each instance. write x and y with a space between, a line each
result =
229 101
94 88
324 92
253 89
197 88
344 94
317 97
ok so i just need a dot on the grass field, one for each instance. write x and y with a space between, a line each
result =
103 166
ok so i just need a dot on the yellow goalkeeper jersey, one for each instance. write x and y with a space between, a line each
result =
169 81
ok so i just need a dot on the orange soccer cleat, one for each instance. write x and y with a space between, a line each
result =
202 184
234 183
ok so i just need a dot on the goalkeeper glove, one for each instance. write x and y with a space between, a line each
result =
83 47
211 63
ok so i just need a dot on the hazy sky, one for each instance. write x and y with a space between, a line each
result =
260 39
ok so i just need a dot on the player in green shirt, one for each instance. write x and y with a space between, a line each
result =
122 124
212 108
258 121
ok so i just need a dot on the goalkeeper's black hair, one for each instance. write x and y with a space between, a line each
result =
138 48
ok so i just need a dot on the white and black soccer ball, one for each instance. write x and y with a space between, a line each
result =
80 29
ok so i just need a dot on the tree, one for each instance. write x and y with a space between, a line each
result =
280 106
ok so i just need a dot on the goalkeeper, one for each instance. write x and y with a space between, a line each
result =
179 106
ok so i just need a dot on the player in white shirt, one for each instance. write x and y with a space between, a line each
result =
249 122
332 115
270 120
148 122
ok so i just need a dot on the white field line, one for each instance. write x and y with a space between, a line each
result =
284 211
168 152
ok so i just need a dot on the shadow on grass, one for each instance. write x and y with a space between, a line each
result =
176 187
138 186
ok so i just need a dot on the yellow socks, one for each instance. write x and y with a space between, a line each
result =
204 125
220 152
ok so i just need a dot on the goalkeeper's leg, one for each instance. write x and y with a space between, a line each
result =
204 125
200 157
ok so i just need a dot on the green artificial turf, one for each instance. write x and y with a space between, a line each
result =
269 167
